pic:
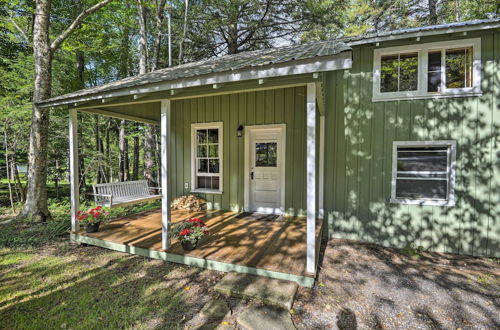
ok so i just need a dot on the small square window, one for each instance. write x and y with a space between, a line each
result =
423 172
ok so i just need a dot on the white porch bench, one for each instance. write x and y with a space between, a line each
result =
124 193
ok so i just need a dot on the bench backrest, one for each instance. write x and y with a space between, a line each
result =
123 189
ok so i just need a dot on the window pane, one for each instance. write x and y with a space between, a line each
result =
389 73
423 159
459 68
213 136
202 135
260 154
434 73
213 166
202 165
272 154
213 150
421 189
435 60
202 151
408 72
203 182
215 182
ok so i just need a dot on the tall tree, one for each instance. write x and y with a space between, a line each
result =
36 206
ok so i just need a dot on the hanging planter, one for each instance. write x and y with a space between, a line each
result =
189 232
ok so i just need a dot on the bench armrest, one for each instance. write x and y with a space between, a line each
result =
99 198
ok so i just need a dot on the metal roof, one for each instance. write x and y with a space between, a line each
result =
423 30
268 57
228 63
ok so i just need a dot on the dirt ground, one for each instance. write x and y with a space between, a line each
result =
366 286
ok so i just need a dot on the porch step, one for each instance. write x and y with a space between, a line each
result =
279 293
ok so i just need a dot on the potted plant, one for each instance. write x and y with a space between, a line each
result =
189 232
93 218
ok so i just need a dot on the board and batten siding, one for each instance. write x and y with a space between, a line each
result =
358 160
274 106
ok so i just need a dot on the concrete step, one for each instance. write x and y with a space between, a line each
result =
265 317
279 293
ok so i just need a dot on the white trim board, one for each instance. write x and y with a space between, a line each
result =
246 172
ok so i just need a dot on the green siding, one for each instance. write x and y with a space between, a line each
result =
358 160
277 106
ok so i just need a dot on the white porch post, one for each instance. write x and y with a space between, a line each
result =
311 177
165 184
321 181
73 168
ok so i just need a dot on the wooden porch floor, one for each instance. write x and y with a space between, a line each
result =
278 246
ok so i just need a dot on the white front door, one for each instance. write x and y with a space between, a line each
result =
265 169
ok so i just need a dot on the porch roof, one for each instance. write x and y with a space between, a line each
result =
267 63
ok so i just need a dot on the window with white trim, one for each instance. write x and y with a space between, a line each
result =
423 172
206 150
448 68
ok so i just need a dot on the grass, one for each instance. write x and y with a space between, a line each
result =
48 282
90 290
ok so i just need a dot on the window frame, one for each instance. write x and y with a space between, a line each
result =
194 144
451 171
423 51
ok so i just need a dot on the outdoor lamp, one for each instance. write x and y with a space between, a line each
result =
240 131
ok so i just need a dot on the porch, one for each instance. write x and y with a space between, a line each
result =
274 249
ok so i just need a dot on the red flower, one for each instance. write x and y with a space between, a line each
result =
185 232
98 208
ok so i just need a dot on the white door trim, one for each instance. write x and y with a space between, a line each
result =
282 154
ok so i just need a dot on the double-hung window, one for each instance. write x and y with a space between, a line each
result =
206 161
448 68
423 172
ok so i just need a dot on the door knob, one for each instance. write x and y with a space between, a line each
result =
251 175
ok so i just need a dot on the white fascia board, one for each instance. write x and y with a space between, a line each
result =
427 33
318 64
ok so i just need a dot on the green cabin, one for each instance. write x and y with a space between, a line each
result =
391 138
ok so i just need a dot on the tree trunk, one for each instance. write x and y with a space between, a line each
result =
160 7
232 38
8 167
123 146
184 30
19 184
57 178
433 19
143 46
108 150
36 207
149 147
135 156
98 150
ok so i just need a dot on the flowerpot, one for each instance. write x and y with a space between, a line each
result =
189 245
92 228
